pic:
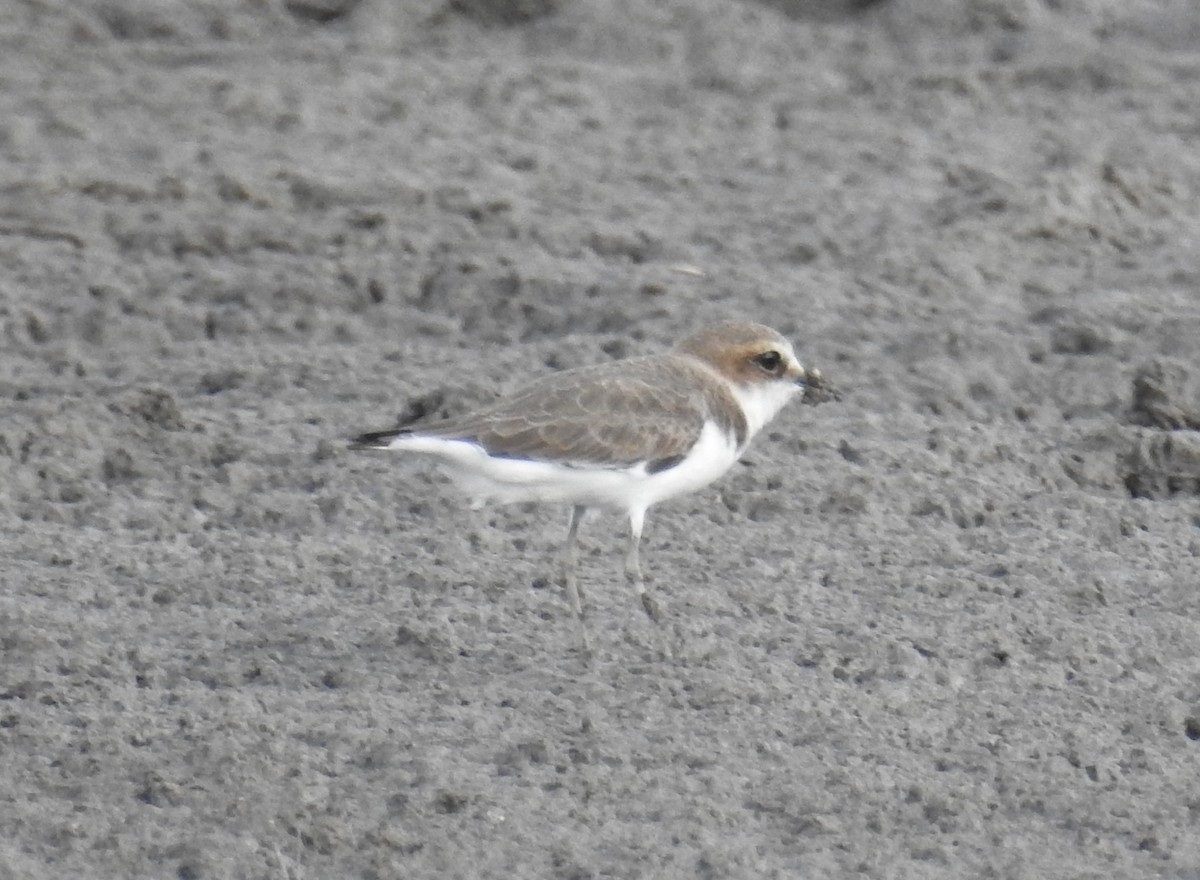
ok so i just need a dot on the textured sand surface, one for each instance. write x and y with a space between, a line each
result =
948 627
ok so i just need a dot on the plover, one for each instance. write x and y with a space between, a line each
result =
618 436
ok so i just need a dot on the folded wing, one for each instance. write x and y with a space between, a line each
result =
640 411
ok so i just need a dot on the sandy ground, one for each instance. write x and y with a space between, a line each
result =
946 628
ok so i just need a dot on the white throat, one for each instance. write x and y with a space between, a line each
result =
761 401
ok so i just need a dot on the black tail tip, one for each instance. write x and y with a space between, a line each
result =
374 440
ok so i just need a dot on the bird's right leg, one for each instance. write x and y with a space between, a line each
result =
633 573
570 560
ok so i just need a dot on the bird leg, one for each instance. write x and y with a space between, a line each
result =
633 569
570 561
633 572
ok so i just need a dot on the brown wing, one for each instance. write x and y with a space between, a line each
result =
618 414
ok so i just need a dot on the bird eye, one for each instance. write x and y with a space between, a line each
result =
769 361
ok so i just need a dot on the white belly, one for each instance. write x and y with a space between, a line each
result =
509 480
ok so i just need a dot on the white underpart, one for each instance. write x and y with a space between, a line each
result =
762 401
626 489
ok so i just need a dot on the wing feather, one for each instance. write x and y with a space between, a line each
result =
619 415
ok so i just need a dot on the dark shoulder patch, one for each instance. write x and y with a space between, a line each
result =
659 465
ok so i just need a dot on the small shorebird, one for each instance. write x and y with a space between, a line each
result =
619 436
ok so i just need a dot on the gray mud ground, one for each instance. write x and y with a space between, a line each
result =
948 628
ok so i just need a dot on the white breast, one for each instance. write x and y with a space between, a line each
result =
762 401
714 453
